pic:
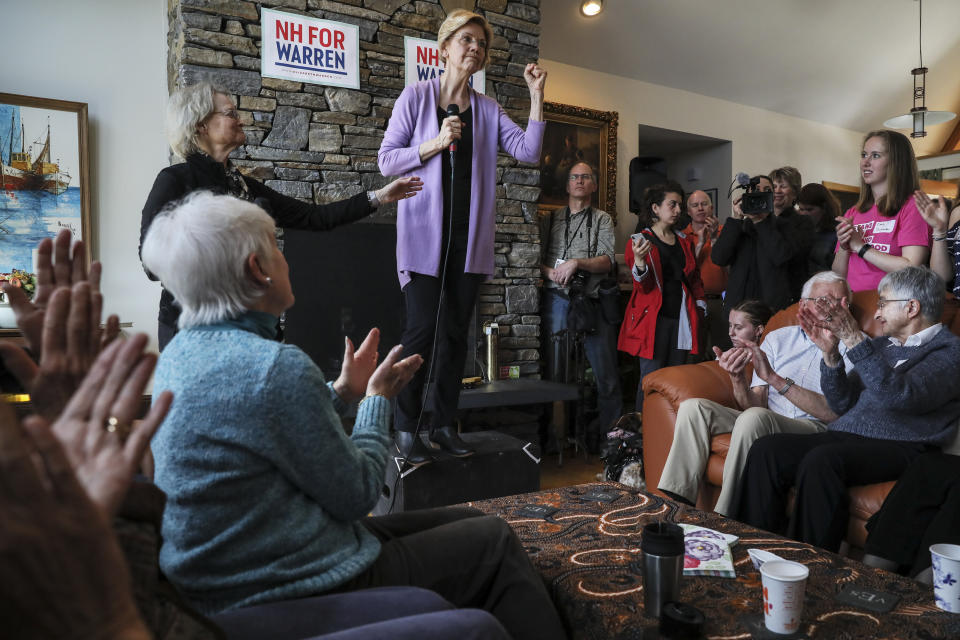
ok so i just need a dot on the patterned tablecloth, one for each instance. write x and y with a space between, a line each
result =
589 554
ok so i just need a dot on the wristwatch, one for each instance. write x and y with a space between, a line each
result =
372 199
866 247
786 387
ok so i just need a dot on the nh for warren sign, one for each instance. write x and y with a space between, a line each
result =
309 50
422 62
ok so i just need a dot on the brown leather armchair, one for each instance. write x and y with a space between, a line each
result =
664 390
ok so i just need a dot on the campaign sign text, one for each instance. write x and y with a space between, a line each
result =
422 62
309 50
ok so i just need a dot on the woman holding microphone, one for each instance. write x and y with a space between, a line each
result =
447 133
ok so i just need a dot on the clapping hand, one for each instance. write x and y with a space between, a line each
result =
393 374
99 430
399 189
733 361
848 236
357 367
934 213
761 365
57 268
816 329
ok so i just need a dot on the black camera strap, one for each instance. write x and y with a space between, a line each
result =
566 230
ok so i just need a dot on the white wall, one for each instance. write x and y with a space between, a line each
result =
714 163
110 54
762 140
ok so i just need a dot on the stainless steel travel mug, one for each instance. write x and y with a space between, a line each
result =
662 546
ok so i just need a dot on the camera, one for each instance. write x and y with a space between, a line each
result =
756 202
578 283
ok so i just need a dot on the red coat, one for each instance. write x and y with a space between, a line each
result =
640 320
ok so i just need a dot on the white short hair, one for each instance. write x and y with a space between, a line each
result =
199 246
826 277
187 108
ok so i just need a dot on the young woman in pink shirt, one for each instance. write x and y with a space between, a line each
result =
884 231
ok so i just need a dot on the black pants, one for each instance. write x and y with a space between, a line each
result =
922 509
820 467
471 559
421 297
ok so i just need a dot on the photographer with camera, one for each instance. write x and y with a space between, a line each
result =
662 319
576 249
765 243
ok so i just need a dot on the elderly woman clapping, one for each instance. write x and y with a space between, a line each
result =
203 127
266 493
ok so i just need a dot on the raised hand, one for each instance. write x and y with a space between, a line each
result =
357 367
535 77
641 247
934 214
393 374
57 268
98 429
816 329
399 189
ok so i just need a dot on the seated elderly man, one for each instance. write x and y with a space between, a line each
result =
900 400
267 496
783 397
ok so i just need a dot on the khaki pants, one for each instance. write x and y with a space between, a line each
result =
698 421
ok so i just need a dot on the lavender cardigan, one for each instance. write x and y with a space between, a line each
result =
420 219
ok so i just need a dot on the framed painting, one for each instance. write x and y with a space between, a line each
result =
712 194
577 134
44 178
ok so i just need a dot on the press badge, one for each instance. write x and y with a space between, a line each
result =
560 261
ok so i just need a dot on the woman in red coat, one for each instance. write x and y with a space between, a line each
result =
661 323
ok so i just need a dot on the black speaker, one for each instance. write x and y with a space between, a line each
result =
345 283
501 466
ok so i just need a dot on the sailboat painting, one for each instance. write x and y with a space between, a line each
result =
44 176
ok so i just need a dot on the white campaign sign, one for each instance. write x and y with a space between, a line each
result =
309 50
422 62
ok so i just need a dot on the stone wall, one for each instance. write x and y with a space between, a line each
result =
320 143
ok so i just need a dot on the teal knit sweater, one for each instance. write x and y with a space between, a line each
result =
264 488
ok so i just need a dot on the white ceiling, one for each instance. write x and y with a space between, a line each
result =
840 62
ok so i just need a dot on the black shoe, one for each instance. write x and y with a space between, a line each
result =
411 448
447 439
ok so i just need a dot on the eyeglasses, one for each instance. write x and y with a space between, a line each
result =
881 303
823 299
466 40
580 176
233 114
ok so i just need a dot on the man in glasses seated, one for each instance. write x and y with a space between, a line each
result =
783 396
900 400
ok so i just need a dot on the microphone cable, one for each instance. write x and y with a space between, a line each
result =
452 110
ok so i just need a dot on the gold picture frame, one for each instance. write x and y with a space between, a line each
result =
44 175
578 134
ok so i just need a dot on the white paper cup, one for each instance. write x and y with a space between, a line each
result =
946 576
784 583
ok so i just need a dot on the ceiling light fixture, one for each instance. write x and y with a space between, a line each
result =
591 8
919 117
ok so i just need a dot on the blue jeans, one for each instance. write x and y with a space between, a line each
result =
601 350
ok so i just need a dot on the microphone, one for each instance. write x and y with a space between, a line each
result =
743 179
453 110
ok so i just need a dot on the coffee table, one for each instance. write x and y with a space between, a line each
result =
588 553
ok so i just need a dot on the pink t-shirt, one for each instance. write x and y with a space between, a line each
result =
886 234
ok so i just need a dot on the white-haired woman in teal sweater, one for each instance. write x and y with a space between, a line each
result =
267 496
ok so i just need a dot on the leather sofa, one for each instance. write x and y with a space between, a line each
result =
664 390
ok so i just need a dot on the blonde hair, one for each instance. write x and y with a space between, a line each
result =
455 21
187 108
